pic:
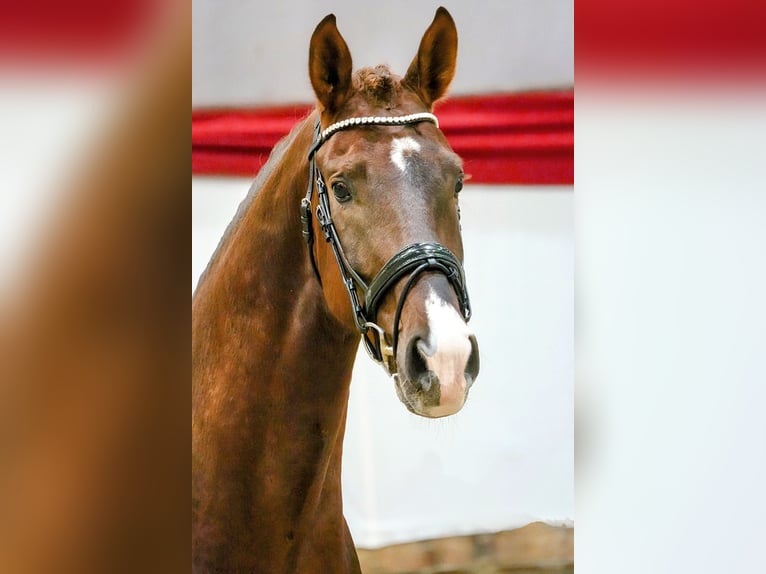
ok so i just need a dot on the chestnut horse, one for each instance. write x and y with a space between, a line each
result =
352 227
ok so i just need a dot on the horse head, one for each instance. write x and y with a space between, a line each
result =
385 186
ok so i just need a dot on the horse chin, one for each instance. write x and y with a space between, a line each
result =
422 404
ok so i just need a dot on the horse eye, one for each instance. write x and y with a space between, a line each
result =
341 191
459 185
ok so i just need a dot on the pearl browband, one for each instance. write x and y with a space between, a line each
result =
375 121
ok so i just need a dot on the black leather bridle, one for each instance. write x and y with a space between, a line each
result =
411 261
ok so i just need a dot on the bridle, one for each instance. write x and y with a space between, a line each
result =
412 260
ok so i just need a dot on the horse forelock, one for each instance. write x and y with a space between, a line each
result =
377 83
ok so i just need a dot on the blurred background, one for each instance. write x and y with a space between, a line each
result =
491 487
94 216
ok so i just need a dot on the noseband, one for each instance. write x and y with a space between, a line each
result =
412 260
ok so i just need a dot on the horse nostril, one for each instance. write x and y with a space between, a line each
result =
472 366
416 369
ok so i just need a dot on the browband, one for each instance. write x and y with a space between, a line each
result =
325 134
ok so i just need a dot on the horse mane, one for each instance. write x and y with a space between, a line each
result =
277 152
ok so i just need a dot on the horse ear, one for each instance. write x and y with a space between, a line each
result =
329 64
433 68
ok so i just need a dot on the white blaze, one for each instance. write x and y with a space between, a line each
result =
401 148
451 347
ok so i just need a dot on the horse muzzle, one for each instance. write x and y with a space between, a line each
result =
438 362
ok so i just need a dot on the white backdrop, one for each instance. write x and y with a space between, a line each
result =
508 457
250 53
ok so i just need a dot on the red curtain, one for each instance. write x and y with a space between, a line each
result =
508 138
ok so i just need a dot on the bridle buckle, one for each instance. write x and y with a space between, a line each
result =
379 351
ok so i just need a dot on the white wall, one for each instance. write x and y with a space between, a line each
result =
248 53
671 329
507 458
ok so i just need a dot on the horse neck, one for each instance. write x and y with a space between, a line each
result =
261 273
271 373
